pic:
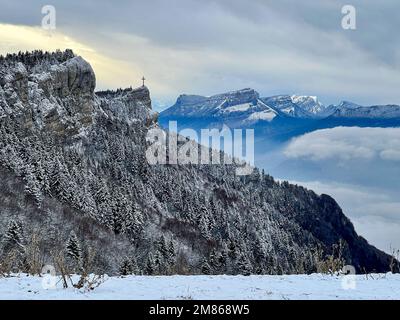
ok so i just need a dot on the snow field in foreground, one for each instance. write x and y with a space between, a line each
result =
316 286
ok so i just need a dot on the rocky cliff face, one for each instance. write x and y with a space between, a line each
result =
74 161
354 111
198 106
58 97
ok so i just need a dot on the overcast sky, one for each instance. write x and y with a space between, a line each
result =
207 47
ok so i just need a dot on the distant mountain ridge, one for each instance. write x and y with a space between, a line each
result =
351 110
276 118
247 106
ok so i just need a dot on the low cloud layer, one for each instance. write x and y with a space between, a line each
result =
359 168
374 212
347 143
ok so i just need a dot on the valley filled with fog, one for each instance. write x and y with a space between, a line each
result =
359 167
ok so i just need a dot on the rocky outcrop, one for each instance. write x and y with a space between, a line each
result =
58 96
128 105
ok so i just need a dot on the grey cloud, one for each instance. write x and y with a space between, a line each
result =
347 143
273 46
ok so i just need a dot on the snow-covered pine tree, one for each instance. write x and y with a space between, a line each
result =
159 265
162 247
126 267
138 219
223 258
204 226
244 266
205 267
150 265
171 256
135 268
73 248
259 251
13 238
33 187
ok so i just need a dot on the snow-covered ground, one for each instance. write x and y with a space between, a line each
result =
212 287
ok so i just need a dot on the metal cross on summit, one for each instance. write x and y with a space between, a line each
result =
143 80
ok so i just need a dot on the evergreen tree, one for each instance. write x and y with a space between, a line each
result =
204 225
215 260
159 265
162 247
126 267
244 266
33 188
13 237
171 256
73 248
205 267
150 265
135 268
259 251
223 258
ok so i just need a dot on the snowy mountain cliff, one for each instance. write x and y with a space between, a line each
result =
76 186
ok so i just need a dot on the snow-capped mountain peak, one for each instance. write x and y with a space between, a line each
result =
310 104
289 105
348 104
296 98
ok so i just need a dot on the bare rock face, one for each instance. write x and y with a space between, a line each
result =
74 76
128 105
13 88
56 96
